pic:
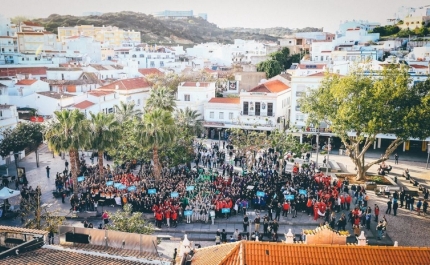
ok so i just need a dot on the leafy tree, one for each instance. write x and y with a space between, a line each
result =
386 30
286 142
104 133
127 221
169 80
67 133
270 67
283 57
156 131
126 111
32 134
362 105
189 121
161 97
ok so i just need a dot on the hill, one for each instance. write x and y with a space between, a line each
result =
275 32
155 30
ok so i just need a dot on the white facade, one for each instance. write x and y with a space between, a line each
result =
222 112
146 56
64 73
194 95
419 54
83 48
8 116
27 87
361 24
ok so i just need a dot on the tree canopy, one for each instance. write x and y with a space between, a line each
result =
278 61
130 222
364 104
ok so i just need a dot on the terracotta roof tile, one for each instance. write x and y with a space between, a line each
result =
84 104
225 100
100 93
24 70
31 23
26 82
214 255
272 86
21 230
419 66
127 84
60 257
150 71
259 253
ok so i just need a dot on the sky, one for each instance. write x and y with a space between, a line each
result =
230 13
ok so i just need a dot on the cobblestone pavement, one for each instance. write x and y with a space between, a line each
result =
407 228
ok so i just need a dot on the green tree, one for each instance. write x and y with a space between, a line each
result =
104 133
156 131
129 222
284 142
169 80
270 67
12 142
362 105
190 121
161 97
126 111
32 134
67 133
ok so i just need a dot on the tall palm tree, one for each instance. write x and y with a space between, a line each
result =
190 120
156 131
162 98
67 133
104 133
125 111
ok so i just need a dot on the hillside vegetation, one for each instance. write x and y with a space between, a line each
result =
155 30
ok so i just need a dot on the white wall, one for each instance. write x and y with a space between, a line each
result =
63 74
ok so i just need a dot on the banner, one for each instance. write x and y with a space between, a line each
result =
190 188
188 213
260 193
225 210
304 192
152 191
289 197
174 194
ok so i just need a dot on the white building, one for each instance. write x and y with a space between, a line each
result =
146 56
194 95
354 24
83 48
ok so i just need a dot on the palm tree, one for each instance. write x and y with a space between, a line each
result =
162 98
126 111
190 120
156 130
67 133
104 133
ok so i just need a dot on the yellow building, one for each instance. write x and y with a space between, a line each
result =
112 35
414 22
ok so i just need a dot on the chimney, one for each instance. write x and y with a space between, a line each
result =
289 237
362 239
396 244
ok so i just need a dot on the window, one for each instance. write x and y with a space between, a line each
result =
269 109
211 114
186 97
257 108
245 108
138 102
300 94
221 115
230 115
299 117
152 64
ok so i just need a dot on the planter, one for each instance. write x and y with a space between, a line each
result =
369 179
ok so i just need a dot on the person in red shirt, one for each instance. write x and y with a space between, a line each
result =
376 212
348 201
309 207
158 218
285 208
167 216
174 216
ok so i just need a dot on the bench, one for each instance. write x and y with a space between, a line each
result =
334 166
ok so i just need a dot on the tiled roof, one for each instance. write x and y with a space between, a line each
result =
92 77
5 106
273 86
208 70
419 66
23 70
150 71
196 84
59 257
100 93
214 255
31 23
127 84
260 253
21 230
83 105
225 100
55 94
26 82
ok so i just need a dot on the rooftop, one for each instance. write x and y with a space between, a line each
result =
55 94
196 84
272 86
225 100
149 71
127 84
256 253
5 106
26 82
84 104
12 71
100 93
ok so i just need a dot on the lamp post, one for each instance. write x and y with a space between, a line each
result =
328 155
219 137
428 155
318 146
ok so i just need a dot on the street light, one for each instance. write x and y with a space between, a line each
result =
428 155
328 155
318 146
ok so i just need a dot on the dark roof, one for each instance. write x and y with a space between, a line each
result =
55 94
62 257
